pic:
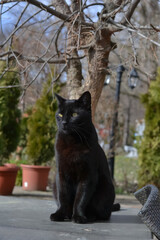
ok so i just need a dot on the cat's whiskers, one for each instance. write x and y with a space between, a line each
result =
77 134
85 139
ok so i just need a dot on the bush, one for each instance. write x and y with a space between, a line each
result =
9 113
42 128
149 147
20 153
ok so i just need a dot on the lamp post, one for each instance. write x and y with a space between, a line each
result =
133 78
111 155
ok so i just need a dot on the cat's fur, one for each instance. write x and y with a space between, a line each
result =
83 186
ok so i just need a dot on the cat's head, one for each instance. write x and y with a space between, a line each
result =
74 116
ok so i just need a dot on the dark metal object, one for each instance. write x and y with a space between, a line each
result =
111 154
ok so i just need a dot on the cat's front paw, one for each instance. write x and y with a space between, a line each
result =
79 219
57 216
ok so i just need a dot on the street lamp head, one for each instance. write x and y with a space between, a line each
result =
107 79
133 79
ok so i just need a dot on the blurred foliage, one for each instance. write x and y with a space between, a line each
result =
149 145
20 153
42 127
9 112
18 162
125 176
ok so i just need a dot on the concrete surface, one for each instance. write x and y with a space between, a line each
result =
25 216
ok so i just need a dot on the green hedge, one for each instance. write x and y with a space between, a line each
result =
42 127
149 148
9 113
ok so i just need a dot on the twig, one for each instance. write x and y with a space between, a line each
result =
30 83
30 59
48 9
16 59
120 27
4 72
91 5
131 10
8 9
16 29
115 11
54 12
56 79
134 49
154 28
9 1
59 31
19 19
13 86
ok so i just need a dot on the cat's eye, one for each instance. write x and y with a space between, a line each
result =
74 114
60 115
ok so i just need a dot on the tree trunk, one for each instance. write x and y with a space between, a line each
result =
74 75
74 67
97 56
97 66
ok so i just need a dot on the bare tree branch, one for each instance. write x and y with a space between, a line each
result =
19 19
29 59
13 86
10 1
134 49
58 77
54 12
113 9
91 5
18 27
130 11
9 8
30 83
48 9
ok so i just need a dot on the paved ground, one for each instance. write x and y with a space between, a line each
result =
25 216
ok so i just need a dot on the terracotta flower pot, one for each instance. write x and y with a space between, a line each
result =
8 174
34 177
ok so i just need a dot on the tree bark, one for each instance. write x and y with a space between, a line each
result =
74 66
97 66
74 75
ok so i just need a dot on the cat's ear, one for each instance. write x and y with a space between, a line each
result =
85 100
60 99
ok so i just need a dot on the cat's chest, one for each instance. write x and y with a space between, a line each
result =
71 155
70 149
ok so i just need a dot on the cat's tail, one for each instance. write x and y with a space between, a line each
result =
116 207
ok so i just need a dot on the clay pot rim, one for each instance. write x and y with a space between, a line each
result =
9 168
35 166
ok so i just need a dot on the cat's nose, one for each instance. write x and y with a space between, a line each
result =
64 124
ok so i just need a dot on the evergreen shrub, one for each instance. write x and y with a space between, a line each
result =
149 147
9 112
42 127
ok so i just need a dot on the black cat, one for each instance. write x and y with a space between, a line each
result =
83 186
